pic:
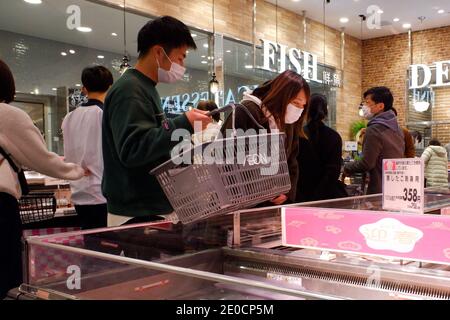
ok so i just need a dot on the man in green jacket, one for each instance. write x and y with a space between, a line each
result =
136 133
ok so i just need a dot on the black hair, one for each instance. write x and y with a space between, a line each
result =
7 84
381 95
317 112
97 79
416 135
168 32
209 106
261 91
435 142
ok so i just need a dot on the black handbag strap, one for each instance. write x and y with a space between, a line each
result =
20 174
10 161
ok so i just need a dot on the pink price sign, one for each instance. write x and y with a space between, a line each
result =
400 235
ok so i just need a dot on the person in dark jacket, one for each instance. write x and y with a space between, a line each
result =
383 140
410 149
319 157
277 105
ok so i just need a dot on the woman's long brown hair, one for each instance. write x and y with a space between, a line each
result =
279 92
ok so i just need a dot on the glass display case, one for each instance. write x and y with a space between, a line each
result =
149 261
236 256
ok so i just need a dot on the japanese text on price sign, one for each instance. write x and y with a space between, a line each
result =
403 185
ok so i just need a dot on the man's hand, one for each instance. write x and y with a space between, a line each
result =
198 119
279 200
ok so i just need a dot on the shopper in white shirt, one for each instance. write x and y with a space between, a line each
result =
213 129
82 131
23 146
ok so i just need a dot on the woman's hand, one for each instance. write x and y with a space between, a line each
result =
279 200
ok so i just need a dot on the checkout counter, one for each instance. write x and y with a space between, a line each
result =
237 256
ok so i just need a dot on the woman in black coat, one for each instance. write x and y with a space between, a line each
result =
320 156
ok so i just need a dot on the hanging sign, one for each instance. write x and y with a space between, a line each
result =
279 58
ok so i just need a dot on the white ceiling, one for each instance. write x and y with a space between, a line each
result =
407 11
48 20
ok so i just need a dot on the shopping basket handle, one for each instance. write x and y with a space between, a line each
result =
232 107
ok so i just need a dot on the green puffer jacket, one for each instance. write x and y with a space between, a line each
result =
436 173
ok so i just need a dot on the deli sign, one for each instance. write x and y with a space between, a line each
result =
442 78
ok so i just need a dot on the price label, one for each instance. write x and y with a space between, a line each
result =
350 146
403 185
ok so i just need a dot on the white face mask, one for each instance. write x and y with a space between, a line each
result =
175 73
366 112
292 114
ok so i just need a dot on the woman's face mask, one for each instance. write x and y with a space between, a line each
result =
293 113
175 73
295 109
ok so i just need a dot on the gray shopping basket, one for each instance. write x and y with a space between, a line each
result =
233 173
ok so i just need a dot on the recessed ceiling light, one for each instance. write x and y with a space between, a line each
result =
101 57
63 54
407 25
228 51
78 85
36 91
54 89
396 19
249 67
32 92
33 1
114 34
380 11
203 56
84 29
441 11
296 0
343 20
204 62
205 45
72 51
193 35
246 54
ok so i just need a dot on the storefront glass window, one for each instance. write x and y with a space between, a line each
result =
241 75
47 54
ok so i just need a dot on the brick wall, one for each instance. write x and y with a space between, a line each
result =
441 110
386 61
234 18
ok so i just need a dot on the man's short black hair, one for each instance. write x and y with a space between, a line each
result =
7 84
381 95
97 79
168 32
